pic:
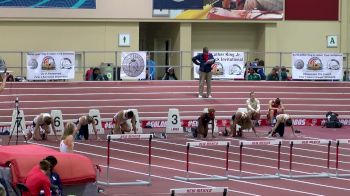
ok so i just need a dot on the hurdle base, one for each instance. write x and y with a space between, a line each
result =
340 175
136 183
212 178
261 177
318 175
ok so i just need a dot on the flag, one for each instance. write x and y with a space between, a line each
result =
177 4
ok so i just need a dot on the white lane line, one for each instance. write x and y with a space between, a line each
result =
169 168
171 93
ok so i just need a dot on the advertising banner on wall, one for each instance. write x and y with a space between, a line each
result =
50 65
220 9
229 65
133 65
317 66
72 4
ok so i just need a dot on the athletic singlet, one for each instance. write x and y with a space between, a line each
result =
283 116
124 117
63 146
44 115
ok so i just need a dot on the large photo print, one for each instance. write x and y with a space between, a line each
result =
219 9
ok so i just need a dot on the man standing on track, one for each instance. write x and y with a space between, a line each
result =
205 61
120 122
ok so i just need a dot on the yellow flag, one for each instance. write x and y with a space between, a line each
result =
195 14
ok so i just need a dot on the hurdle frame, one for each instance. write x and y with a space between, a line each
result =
264 176
339 141
224 190
202 144
313 175
137 182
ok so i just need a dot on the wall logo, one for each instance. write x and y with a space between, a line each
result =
235 70
314 63
66 63
333 64
48 63
33 64
133 65
299 64
217 69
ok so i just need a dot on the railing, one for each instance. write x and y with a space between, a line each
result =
179 60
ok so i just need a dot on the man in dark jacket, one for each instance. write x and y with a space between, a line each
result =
205 61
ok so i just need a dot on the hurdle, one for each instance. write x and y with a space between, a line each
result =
204 144
339 141
313 175
128 136
258 177
222 190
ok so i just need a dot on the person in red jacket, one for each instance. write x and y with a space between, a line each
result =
38 180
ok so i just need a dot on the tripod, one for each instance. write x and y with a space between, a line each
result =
17 124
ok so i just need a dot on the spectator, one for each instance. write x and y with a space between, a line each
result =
170 74
96 75
88 74
261 69
284 73
37 180
252 75
205 60
273 76
56 184
67 140
150 68
10 78
3 84
346 75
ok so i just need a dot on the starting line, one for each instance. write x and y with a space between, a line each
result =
255 143
126 137
222 190
204 144
313 175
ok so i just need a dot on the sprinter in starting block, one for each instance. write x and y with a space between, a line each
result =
243 119
203 122
83 127
41 124
120 122
282 120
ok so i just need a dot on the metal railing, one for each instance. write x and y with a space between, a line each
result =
180 60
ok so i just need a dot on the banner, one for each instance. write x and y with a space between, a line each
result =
317 66
177 4
221 10
72 4
133 65
229 65
50 65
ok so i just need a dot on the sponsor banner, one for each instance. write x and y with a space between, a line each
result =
194 123
317 66
228 65
177 4
133 65
220 10
72 4
50 65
